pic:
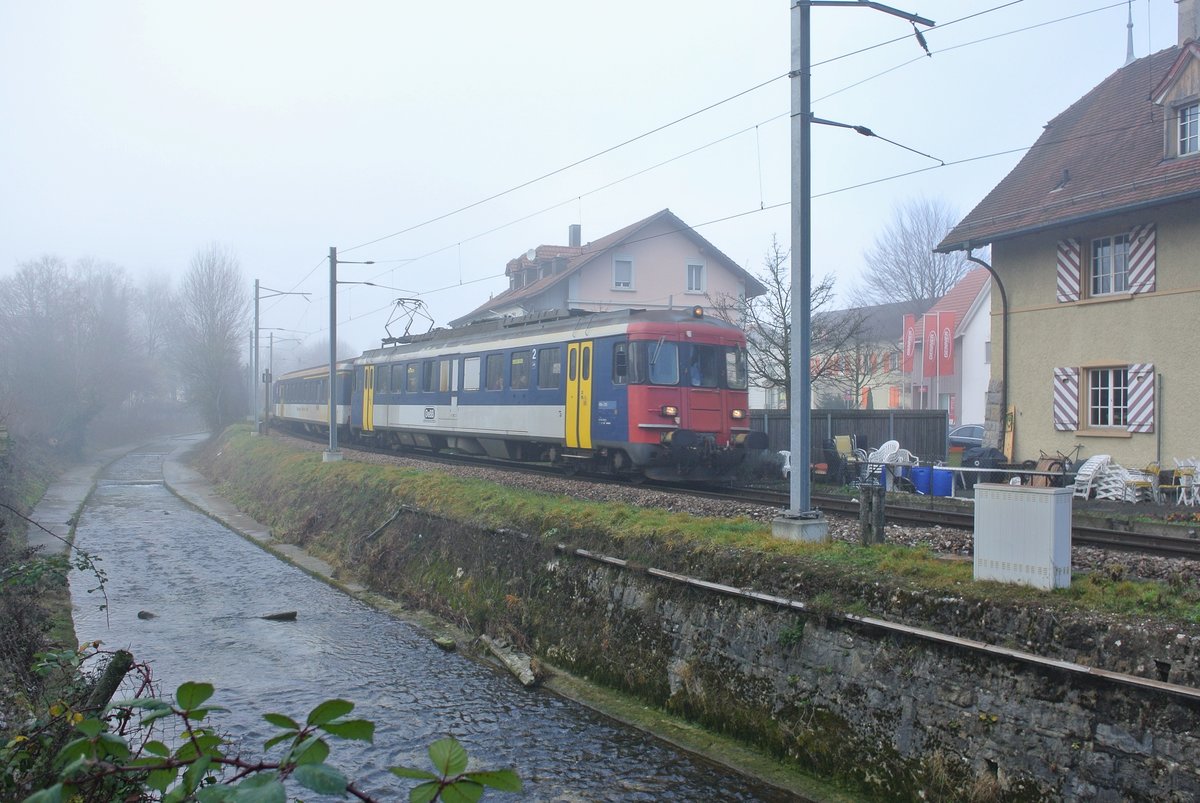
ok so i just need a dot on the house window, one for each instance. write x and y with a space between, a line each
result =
623 273
1108 397
1189 129
519 370
695 277
1110 265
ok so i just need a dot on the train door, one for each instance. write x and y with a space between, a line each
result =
368 398
579 395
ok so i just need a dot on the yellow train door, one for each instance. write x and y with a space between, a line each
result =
368 411
579 395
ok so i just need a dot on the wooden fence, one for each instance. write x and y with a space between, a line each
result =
922 432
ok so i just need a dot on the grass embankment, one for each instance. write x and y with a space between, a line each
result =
325 505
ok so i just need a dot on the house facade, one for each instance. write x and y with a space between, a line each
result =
656 263
1096 237
858 362
946 352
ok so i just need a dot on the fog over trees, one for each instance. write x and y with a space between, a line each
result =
82 340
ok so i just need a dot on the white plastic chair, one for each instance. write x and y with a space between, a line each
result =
1113 484
1085 476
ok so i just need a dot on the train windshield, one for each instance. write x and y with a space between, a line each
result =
663 362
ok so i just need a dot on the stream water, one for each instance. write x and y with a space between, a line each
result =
207 586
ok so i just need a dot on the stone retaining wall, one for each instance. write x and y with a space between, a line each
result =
896 716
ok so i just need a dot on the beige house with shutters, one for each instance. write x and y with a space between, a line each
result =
1096 237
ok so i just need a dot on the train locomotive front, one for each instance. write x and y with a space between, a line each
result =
686 391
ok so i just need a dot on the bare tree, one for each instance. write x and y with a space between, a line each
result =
901 265
213 308
767 321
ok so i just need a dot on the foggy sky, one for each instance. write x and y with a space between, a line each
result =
138 133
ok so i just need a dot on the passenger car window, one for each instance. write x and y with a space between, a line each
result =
519 368
471 373
550 368
495 371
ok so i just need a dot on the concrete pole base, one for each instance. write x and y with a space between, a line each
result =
796 528
331 457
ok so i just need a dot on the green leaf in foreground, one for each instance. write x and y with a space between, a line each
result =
448 756
328 711
320 778
191 695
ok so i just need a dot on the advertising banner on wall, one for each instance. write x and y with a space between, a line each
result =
945 357
931 331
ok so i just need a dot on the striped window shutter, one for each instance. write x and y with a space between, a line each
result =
1069 256
1066 399
1141 259
1140 399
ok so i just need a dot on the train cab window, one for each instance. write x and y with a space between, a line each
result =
701 366
620 363
549 368
662 362
736 376
495 371
471 373
519 370
412 373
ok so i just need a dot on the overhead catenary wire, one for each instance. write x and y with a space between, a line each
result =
657 129
816 195
646 134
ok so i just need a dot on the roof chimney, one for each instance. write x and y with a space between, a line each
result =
1189 20
575 231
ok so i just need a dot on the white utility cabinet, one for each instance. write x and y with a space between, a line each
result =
1023 535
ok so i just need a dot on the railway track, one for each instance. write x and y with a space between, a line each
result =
1082 534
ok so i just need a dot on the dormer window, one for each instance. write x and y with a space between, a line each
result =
1189 129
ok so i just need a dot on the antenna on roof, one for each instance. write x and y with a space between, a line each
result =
1129 57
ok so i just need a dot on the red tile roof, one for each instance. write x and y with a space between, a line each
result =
963 294
1101 156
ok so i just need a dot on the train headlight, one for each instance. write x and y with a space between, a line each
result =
697 311
738 415
669 411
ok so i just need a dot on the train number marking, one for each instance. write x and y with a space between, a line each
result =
430 413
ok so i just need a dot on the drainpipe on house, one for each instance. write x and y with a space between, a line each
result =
1004 339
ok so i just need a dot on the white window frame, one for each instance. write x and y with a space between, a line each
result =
702 274
1108 265
619 285
1187 142
1107 397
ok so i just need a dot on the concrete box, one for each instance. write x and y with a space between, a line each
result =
1023 535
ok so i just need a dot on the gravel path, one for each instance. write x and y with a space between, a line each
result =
942 540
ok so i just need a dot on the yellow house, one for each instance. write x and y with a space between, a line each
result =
1095 235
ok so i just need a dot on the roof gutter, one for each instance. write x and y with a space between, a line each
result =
1004 339
966 245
